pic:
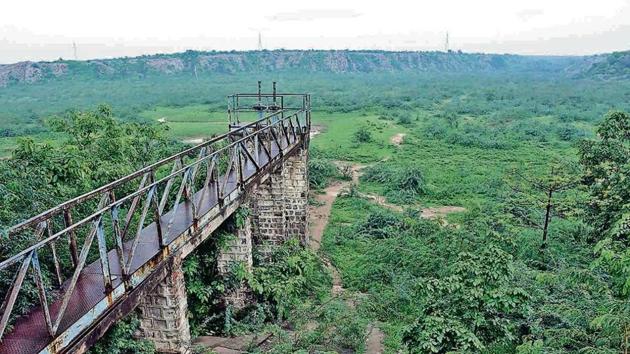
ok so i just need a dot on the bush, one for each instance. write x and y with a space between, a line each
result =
570 133
119 339
289 275
404 119
402 183
320 171
435 130
363 135
380 224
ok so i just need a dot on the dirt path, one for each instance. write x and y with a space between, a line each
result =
318 219
440 212
319 216
374 340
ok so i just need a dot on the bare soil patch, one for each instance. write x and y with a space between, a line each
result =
397 139
316 130
194 141
440 212
374 340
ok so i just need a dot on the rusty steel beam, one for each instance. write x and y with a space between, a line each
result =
141 191
106 188
127 303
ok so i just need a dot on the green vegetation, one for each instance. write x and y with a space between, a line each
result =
485 284
534 260
119 339
190 122
339 143
93 148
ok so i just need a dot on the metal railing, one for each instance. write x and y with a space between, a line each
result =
116 213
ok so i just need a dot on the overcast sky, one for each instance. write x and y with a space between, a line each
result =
46 30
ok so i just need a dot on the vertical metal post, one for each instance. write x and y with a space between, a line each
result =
274 93
72 239
238 118
229 112
157 213
260 110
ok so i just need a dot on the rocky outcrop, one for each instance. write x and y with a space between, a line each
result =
166 65
333 61
30 72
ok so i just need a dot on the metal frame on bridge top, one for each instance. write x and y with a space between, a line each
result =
243 103
128 204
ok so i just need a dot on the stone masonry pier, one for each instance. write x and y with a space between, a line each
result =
274 211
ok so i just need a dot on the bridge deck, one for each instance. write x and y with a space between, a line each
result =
30 334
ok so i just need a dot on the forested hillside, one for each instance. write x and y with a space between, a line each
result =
340 61
613 66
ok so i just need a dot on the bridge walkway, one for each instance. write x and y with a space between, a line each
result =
89 297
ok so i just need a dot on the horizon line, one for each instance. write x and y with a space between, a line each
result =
227 51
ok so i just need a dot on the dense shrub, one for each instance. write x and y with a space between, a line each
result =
435 130
362 135
473 137
380 224
205 287
569 133
119 339
402 183
290 274
320 171
405 119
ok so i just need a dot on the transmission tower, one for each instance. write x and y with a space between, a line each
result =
74 48
260 46
446 48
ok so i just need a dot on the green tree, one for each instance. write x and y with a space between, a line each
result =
95 149
363 135
539 197
606 163
476 304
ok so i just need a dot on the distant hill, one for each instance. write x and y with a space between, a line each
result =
610 66
333 61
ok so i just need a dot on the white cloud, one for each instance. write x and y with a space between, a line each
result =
314 14
528 14
43 29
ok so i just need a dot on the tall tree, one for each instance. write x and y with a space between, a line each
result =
606 163
536 198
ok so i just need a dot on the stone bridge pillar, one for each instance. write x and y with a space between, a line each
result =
163 313
295 178
279 205
277 211
238 250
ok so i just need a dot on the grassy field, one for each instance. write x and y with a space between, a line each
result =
189 123
336 140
